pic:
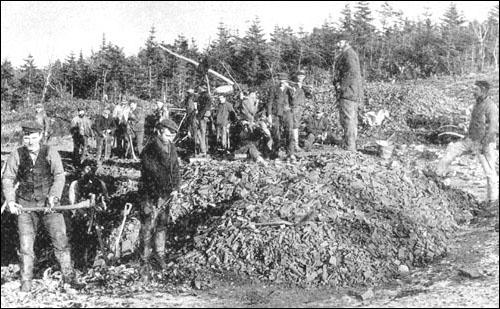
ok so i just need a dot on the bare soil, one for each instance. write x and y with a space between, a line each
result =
467 277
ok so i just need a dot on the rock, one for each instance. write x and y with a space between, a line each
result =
403 270
470 273
368 295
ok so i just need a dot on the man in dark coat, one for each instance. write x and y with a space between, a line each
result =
349 90
40 177
223 121
279 112
104 127
160 180
298 103
136 125
204 106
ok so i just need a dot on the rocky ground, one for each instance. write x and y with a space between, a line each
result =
467 277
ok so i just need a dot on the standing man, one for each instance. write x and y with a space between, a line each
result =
483 129
42 119
104 127
349 90
222 123
299 101
120 116
136 120
81 129
40 175
280 115
160 180
204 105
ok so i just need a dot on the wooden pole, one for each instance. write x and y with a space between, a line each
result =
227 80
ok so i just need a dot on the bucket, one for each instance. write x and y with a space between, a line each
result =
385 149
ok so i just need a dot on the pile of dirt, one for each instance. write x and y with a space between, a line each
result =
341 219
334 218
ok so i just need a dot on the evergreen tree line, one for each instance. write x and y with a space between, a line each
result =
400 49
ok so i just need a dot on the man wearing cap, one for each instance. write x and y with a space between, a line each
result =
349 90
40 177
204 105
104 127
298 102
483 130
136 121
42 119
81 130
222 122
279 111
120 116
159 183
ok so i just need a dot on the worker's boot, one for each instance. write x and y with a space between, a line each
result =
26 273
160 238
68 274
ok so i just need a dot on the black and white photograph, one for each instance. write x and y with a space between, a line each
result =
251 154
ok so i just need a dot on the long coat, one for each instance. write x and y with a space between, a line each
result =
348 78
159 169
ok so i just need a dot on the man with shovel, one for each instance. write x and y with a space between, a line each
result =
480 140
160 178
40 175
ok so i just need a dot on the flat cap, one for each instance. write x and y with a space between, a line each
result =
31 127
167 123
483 84
282 76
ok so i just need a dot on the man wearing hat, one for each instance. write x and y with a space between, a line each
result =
280 116
223 121
483 130
204 106
81 130
159 183
40 178
42 119
349 90
120 116
298 102
136 125
104 127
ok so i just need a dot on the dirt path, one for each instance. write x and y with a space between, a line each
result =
467 277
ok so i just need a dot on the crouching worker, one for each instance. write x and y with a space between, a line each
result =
318 131
160 179
40 175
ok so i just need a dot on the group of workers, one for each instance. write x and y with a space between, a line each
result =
37 168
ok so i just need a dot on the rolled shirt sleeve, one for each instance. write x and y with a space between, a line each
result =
57 170
9 176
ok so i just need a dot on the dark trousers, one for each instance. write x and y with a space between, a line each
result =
27 224
283 131
349 122
154 220
80 147
105 142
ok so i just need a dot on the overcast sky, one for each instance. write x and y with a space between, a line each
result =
51 30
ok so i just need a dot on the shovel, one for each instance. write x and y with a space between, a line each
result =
126 211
